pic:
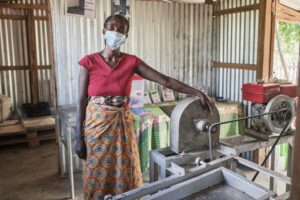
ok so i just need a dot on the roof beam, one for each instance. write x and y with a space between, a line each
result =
286 13
187 1
23 6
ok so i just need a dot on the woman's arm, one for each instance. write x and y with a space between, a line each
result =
148 73
80 112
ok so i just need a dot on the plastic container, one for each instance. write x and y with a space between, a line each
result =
137 92
260 93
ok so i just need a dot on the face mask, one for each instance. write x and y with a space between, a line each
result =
114 39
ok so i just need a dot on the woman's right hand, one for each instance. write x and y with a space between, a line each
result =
80 148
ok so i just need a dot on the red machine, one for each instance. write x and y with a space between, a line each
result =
264 92
289 90
260 93
266 98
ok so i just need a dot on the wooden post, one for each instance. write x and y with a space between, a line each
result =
259 155
272 39
30 29
296 148
264 39
52 72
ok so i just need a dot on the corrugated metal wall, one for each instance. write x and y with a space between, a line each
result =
14 52
14 84
235 41
175 39
43 53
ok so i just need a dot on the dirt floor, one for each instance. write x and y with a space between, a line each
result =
32 174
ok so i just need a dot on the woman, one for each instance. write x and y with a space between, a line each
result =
105 137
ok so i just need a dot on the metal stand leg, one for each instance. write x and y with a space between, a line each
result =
272 148
274 167
158 166
233 165
249 104
163 171
153 169
290 164
70 163
63 166
61 148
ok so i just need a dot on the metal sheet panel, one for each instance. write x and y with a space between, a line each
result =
14 52
235 41
11 43
174 39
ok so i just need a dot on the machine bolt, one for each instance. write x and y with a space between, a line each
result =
202 125
214 129
283 104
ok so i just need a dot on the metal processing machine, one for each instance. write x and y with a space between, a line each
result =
195 161
216 180
189 127
193 129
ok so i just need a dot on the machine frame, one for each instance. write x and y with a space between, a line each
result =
229 162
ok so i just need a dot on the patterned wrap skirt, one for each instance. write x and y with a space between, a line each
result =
112 165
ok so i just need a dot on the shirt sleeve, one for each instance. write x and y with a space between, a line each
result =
137 62
85 62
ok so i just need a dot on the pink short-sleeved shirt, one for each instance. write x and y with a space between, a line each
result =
106 81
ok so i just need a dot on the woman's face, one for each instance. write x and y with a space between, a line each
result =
116 25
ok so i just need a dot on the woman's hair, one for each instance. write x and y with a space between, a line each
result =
119 18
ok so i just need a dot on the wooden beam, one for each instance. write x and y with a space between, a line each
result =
45 18
44 66
296 147
287 18
286 13
51 55
264 40
14 17
272 39
23 67
234 65
21 17
261 37
186 1
23 6
236 10
8 68
31 41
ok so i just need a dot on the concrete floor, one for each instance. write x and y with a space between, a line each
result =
32 174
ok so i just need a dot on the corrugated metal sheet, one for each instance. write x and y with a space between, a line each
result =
235 41
12 35
175 39
14 52
43 54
